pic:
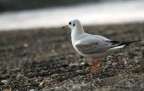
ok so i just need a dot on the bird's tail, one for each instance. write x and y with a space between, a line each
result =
128 42
122 44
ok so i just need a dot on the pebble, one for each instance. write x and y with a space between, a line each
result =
76 87
26 45
73 64
79 71
114 64
136 61
41 84
82 63
32 90
19 76
5 82
125 62
70 56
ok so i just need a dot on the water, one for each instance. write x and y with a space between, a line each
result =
88 14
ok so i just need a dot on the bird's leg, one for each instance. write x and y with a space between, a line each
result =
95 66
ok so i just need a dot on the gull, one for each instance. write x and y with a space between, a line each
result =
93 46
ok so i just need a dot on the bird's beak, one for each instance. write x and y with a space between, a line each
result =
66 26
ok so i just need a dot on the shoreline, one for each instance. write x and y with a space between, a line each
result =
60 27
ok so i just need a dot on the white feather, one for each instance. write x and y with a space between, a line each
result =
117 47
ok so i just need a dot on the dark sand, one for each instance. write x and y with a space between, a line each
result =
44 59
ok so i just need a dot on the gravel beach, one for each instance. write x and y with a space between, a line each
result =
44 60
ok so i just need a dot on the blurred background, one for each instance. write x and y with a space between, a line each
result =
25 14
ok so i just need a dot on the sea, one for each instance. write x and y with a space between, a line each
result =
99 13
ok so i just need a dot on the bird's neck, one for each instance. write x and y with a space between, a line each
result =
76 34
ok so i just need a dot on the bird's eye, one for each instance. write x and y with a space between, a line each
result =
73 24
69 23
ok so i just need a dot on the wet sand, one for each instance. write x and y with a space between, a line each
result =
44 59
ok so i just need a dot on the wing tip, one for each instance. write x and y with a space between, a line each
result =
117 47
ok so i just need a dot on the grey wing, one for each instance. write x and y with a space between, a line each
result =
92 45
101 37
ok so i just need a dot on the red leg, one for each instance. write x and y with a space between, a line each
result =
95 66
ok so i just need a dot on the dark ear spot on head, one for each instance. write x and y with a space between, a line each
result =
69 23
73 24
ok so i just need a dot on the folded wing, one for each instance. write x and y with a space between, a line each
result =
99 44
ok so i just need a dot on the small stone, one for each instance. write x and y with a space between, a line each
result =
26 45
82 63
114 64
105 66
41 84
109 62
70 56
76 87
136 61
73 64
79 71
19 76
32 90
125 62
5 82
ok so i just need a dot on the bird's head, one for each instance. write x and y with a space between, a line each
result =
74 25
